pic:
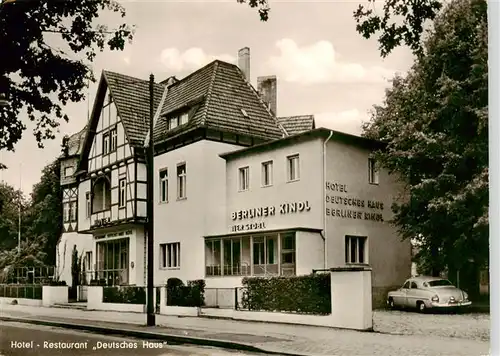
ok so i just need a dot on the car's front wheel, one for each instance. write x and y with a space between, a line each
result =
390 301
421 307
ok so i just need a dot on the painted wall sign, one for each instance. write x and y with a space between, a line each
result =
347 207
103 221
282 209
248 227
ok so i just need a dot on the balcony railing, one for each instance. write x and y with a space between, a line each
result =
272 269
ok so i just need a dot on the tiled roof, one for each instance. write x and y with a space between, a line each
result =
297 124
222 97
75 142
131 96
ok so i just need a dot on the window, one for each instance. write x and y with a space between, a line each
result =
232 257
68 171
406 285
184 119
413 285
173 122
113 140
170 255
101 195
244 178
265 259
267 174
373 172
105 143
181 181
88 203
88 261
73 211
293 168
66 215
213 257
122 196
355 248
164 186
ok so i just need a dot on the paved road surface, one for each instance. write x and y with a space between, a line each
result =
17 339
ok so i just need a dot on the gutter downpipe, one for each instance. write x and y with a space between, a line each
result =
325 243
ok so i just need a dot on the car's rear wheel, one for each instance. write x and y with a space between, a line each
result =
391 303
421 307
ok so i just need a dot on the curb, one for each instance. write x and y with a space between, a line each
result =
171 339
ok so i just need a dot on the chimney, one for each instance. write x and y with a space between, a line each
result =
244 62
267 88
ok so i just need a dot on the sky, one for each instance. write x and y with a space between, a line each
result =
323 66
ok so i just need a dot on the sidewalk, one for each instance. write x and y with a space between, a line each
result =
263 337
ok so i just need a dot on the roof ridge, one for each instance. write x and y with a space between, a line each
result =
209 92
262 101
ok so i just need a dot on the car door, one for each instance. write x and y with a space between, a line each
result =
412 295
400 299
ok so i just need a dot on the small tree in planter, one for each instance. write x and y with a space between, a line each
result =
76 270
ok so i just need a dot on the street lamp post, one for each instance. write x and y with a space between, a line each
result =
150 210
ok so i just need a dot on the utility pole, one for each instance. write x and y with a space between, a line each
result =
19 222
150 207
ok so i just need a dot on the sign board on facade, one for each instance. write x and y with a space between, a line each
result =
101 222
351 207
263 212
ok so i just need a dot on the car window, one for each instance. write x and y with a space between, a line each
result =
414 285
406 285
440 283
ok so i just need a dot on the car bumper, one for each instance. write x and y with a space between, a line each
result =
450 305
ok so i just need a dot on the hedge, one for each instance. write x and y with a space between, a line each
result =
309 294
33 291
192 295
124 295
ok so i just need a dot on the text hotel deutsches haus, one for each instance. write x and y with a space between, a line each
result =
98 345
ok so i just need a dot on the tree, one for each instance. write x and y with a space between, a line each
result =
261 5
44 216
10 202
40 78
400 22
435 124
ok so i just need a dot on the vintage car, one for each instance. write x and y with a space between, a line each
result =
426 293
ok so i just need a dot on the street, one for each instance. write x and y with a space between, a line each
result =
18 339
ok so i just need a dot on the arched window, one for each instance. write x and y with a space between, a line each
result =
101 195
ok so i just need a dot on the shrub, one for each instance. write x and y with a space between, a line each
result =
124 295
98 282
192 295
57 284
303 294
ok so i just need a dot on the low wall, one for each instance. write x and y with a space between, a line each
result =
95 302
351 297
22 301
54 295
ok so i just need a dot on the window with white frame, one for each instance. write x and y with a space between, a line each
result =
170 255
113 144
355 250
73 211
88 261
66 212
163 185
88 204
232 257
68 171
173 122
373 171
105 143
267 173
244 178
181 181
122 192
184 118
293 168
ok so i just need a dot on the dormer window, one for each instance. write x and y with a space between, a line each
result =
173 122
184 119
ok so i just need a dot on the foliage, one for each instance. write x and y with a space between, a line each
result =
124 295
192 295
303 294
262 5
400 22
37 76
32 291
44 216
435 124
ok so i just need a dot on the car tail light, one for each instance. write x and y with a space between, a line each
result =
435 298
